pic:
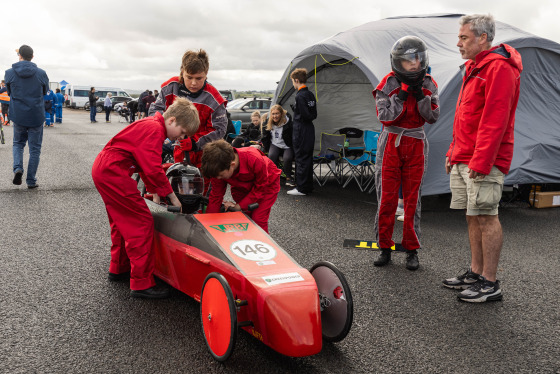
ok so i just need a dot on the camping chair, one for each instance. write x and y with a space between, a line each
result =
237 126
330 152
354 146
360 168
370 143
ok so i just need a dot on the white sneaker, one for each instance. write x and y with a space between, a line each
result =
295 192
400 218
400 211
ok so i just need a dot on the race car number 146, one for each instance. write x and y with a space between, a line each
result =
253 250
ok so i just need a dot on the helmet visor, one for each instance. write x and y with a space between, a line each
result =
187 185
411 62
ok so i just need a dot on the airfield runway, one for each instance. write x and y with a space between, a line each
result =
60 314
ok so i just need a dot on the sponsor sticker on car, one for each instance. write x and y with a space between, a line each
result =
272 280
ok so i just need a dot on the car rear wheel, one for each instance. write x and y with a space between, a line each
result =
219 316
337 307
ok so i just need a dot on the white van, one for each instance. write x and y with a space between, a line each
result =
78 96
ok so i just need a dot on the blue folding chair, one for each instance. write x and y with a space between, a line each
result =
370 143
237 126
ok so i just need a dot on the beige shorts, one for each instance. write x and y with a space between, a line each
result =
480 196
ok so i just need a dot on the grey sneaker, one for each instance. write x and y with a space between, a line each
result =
463 281
482 291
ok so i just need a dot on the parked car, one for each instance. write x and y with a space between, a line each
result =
242 109
114 100
228 95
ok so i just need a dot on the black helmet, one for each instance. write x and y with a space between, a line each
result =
410 49
188 185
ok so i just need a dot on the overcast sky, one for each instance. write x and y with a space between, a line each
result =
138 44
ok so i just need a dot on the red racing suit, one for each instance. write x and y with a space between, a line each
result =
211 108
257 180
483 128
402 157
137 148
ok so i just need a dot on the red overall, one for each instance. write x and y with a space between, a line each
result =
257 180
136 148
402 156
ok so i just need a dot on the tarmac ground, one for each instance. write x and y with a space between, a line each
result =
60 314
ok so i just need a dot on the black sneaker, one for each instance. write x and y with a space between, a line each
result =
384 258
463 281
482 291
114 277
17 177
290 183
155 292
412 260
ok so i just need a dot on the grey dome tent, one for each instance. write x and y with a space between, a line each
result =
344 69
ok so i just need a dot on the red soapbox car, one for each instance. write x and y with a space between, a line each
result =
243 278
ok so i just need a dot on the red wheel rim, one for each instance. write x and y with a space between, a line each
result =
216 317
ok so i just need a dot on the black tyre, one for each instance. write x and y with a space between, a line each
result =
337 307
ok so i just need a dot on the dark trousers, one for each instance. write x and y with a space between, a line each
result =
304 142
107 113
92 112
287 154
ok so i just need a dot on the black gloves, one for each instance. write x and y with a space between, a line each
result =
403 95
417 92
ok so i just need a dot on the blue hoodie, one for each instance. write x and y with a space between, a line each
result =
27 84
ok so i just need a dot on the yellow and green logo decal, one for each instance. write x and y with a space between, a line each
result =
232 227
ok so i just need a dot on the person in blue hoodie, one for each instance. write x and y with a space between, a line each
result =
27 84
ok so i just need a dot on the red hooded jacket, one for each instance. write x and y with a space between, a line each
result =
483 128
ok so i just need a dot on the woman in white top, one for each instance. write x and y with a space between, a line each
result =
277 140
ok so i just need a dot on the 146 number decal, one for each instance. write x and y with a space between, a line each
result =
253 250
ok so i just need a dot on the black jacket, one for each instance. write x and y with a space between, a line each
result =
92 99
305 110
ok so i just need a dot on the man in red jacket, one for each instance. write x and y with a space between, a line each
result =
481 151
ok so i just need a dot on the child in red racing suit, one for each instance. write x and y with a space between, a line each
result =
137 148
253 178
405 99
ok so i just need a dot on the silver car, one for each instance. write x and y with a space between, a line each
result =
241 109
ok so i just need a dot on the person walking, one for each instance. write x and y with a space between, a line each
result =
49 108
5 102
58 106
482 149
92 107
27 84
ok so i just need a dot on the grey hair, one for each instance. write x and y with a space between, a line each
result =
480 24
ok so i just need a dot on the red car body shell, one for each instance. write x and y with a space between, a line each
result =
283 300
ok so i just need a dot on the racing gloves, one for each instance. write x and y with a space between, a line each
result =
415 91
188 145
